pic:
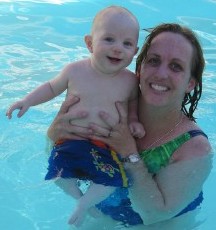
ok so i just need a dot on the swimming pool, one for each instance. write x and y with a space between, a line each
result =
37 39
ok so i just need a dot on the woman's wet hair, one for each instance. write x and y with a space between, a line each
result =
191 99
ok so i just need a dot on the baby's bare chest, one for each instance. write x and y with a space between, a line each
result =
101 91
96 96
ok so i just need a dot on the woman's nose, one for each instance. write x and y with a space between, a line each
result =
162 71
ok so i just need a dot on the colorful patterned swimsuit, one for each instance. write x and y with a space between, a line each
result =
86 160
118 205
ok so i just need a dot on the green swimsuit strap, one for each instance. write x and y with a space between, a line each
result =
159 157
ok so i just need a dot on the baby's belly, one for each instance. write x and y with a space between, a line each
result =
93 114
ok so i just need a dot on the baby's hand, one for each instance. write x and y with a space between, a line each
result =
21 105
137 129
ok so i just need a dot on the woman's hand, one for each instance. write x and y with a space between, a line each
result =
62 127
118 136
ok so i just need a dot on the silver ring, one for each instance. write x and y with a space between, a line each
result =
110 133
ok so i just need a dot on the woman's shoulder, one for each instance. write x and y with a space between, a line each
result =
197 145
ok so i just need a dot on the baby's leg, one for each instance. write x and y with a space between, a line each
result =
69 186
94 195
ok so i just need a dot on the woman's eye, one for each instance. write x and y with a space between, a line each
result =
176 67
153 61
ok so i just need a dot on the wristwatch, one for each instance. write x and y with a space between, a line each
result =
132 158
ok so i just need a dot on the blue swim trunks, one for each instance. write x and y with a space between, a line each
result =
86 160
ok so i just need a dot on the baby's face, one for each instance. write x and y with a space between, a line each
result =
114 40
117 25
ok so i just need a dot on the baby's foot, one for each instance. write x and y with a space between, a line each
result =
77 217
94 212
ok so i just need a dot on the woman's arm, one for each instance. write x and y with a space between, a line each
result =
160 197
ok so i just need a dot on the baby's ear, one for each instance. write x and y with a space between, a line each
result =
88 42
136 50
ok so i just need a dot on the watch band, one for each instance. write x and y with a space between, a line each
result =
132 158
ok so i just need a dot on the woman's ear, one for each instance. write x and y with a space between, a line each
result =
88 42
191 85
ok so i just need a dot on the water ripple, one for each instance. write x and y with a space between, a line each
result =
38 38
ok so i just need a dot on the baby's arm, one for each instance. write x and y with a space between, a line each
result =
43 93
135 126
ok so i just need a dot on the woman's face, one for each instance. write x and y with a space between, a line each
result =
165 75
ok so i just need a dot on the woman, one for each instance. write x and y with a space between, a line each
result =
174 157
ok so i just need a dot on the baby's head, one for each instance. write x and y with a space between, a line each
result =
116 16
113 40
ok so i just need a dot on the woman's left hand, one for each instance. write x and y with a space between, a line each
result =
117 136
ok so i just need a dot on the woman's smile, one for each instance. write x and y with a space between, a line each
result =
158 87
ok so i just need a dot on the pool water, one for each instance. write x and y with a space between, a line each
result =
37 39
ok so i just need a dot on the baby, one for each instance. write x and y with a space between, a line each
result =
99 81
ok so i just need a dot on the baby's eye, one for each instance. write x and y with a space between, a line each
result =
127 43
176 67
109 39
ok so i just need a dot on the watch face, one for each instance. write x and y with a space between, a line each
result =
134 158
